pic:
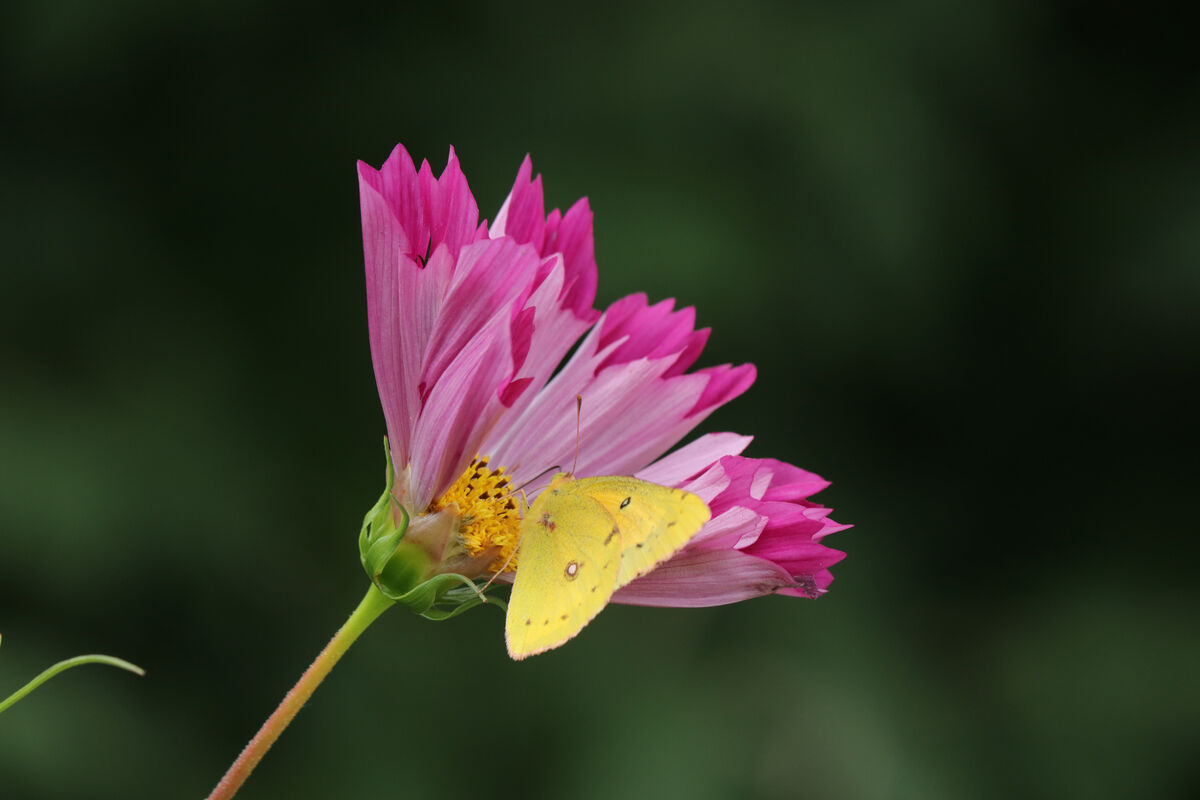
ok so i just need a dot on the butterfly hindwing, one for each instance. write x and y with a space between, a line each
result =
655 521
567 568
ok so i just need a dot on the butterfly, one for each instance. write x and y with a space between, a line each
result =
581 540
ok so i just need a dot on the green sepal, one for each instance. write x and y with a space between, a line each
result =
461 598
400 568
441 597
378 522
392 564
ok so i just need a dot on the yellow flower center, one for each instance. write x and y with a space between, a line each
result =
489 514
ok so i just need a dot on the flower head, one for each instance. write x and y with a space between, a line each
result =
471 325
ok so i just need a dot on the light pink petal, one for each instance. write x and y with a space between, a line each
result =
522 437
730 530
694 458
552 332
384 244
631 414
631 411
420 298
398 190
489 277
460 408
705 578
621 423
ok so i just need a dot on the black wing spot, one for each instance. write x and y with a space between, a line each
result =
626 502
528 621
639 544
594 588
672 524
547 622
614 532
564 616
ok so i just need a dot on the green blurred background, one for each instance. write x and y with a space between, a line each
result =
960 241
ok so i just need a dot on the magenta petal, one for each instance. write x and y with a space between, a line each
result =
644 331
523 214
573 237
797 557
725 383
790 482
702 578
450 209
522 335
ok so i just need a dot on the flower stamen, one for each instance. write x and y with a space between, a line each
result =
489 512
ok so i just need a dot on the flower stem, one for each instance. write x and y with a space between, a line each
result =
372 605
62 666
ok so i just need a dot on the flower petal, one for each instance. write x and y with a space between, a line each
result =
633 410
690 460
461 407
699 578
571 234
450 209
489 277
523 214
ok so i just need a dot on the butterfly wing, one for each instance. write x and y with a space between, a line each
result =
655 521
567 568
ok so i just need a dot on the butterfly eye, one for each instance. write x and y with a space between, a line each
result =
625 502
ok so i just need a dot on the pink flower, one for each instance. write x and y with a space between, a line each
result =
470 325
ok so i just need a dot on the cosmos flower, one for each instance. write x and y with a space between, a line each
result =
472 328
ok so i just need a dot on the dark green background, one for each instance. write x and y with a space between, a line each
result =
960 241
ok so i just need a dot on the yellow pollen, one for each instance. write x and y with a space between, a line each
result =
489 512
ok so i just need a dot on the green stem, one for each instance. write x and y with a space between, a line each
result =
372 605
62 666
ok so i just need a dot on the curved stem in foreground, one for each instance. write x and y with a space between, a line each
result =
372 605
61 666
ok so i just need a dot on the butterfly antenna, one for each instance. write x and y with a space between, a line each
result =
521 488
578 414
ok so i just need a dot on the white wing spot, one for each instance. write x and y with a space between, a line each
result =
572 570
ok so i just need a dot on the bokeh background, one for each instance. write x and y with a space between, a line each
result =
960 241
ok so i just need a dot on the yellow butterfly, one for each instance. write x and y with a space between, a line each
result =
581 540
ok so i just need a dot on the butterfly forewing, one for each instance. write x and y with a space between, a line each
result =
655 521
567 567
